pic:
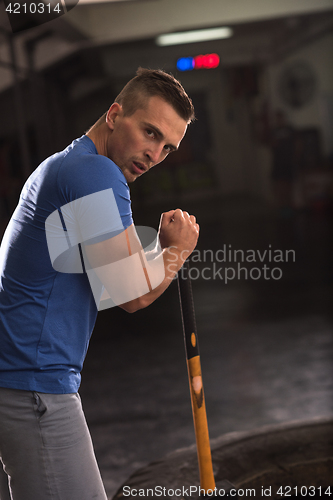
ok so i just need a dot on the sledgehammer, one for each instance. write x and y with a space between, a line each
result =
207 480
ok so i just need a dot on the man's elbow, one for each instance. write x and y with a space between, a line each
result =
135 305
129 307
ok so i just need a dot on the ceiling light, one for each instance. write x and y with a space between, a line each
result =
194 36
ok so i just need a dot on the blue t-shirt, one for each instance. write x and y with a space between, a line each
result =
47 316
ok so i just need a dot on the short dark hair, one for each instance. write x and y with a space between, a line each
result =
155 82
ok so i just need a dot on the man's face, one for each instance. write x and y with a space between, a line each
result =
138 142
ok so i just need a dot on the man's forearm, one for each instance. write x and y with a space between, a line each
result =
173 260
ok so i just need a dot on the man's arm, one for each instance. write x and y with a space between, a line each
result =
123 276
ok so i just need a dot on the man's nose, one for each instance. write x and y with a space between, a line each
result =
154 154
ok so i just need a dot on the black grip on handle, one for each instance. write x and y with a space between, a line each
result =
187 311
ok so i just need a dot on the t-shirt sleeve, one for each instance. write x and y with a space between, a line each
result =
98 204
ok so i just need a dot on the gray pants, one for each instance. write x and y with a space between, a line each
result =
46 449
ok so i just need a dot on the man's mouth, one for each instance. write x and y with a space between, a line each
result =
139 167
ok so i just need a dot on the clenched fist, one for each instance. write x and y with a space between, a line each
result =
179 230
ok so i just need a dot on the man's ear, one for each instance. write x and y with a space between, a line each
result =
114 111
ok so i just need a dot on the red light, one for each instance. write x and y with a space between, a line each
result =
212 61
198 62
208 61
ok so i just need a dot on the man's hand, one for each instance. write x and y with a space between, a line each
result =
180 231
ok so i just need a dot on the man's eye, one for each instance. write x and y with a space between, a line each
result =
150 133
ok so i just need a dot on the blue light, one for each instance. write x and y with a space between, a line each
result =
185 63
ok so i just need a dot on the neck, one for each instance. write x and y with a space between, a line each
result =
98 134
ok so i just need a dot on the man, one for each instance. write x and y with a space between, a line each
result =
70 243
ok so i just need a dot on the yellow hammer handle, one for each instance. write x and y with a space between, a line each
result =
207 481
